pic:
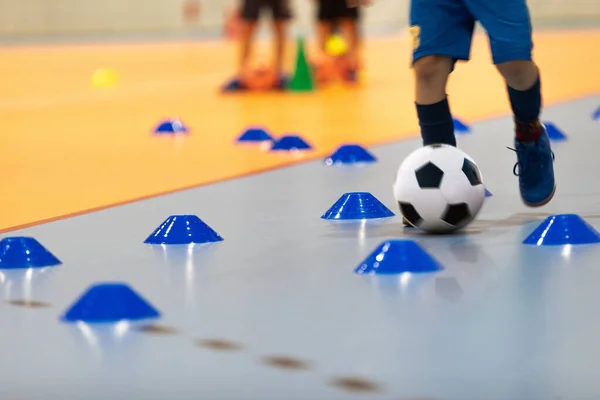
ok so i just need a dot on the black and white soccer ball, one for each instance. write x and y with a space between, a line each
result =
439 189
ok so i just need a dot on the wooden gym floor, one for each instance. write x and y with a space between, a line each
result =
67 148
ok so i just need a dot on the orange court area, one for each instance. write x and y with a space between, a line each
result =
67 148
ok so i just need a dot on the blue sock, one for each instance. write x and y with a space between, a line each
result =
436 123
526 104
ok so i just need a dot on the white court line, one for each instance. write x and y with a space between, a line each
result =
117 92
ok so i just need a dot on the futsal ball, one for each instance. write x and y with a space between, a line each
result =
439 189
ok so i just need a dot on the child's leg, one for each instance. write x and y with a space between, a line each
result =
281 15
441 32
347 19
250 14
247 38
324 31
523 84
280 41
509 28
350 28
325 22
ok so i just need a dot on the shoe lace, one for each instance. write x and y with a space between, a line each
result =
530 156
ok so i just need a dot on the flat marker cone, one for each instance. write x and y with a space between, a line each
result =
350 154
302 81
290 143
254 134
460 127
596 115
110 303
357 205
563 229
170 127
398 257
554 133
183 229
25 252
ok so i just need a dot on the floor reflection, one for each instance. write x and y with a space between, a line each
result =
182 264
25 284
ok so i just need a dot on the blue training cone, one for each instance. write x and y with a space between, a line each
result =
289 143
554 133
488 193
25 252
233 85
183 229
350 154
397 257
596 115
563 229
357 205
170 127
109 303
460 127
253 135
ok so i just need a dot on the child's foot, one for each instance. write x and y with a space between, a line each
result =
352 76
535 168
235 85
281 83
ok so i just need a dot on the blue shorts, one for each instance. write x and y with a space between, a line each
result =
445 28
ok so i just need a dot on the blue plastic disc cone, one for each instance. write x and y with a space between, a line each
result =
554 133
562 229
488 193
460 127
254 135
170 127
357 205
350 154
596 115
183 229
25 252
290 142
398 257
110 302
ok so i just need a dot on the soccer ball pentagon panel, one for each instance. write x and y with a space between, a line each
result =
439 189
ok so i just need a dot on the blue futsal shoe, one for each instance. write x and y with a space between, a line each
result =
535 169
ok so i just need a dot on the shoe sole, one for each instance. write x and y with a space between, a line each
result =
541 203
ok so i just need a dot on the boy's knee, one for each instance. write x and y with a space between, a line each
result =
248 28
433 68
519 74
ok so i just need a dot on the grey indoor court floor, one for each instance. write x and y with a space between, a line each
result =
276 312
